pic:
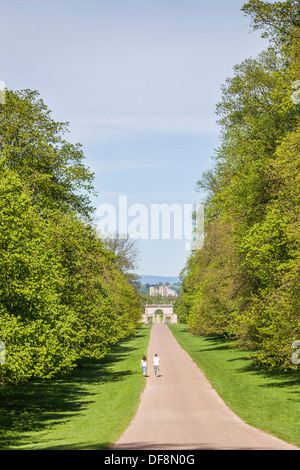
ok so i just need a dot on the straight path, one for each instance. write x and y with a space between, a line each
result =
180 410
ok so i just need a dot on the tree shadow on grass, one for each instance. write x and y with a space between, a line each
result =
276 377
282 378
80 446
215 343
37 406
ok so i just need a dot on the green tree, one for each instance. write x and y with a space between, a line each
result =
32 144
244 280
37 328
63 294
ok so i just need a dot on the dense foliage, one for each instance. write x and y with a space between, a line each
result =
62 293
244 282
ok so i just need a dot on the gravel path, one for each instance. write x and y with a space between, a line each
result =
180 410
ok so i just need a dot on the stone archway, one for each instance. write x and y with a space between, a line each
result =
167 311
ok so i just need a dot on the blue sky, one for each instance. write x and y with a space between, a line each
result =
139 81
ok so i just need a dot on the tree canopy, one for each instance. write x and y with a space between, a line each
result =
63 294
244 282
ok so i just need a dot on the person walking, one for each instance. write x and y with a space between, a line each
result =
144 365
156 361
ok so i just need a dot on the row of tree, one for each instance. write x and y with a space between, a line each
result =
245 281
64 294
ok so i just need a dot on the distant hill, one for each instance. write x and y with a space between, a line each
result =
157 279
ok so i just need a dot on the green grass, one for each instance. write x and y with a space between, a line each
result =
268 400
88 410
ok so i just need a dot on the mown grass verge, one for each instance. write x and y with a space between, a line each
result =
268 400
88 410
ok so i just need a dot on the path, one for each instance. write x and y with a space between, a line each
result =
180 410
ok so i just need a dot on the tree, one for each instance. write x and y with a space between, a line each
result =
279 20
32 144
63 294
212 290
39 331
244 281
127 255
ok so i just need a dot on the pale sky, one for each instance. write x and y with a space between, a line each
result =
139 81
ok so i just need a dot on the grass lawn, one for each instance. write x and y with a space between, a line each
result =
267 400
88 410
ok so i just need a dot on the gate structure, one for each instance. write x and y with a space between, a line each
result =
150 315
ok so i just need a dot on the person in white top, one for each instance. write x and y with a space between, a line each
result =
156 361
144 365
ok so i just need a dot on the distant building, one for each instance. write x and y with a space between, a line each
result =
153 291
163 290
